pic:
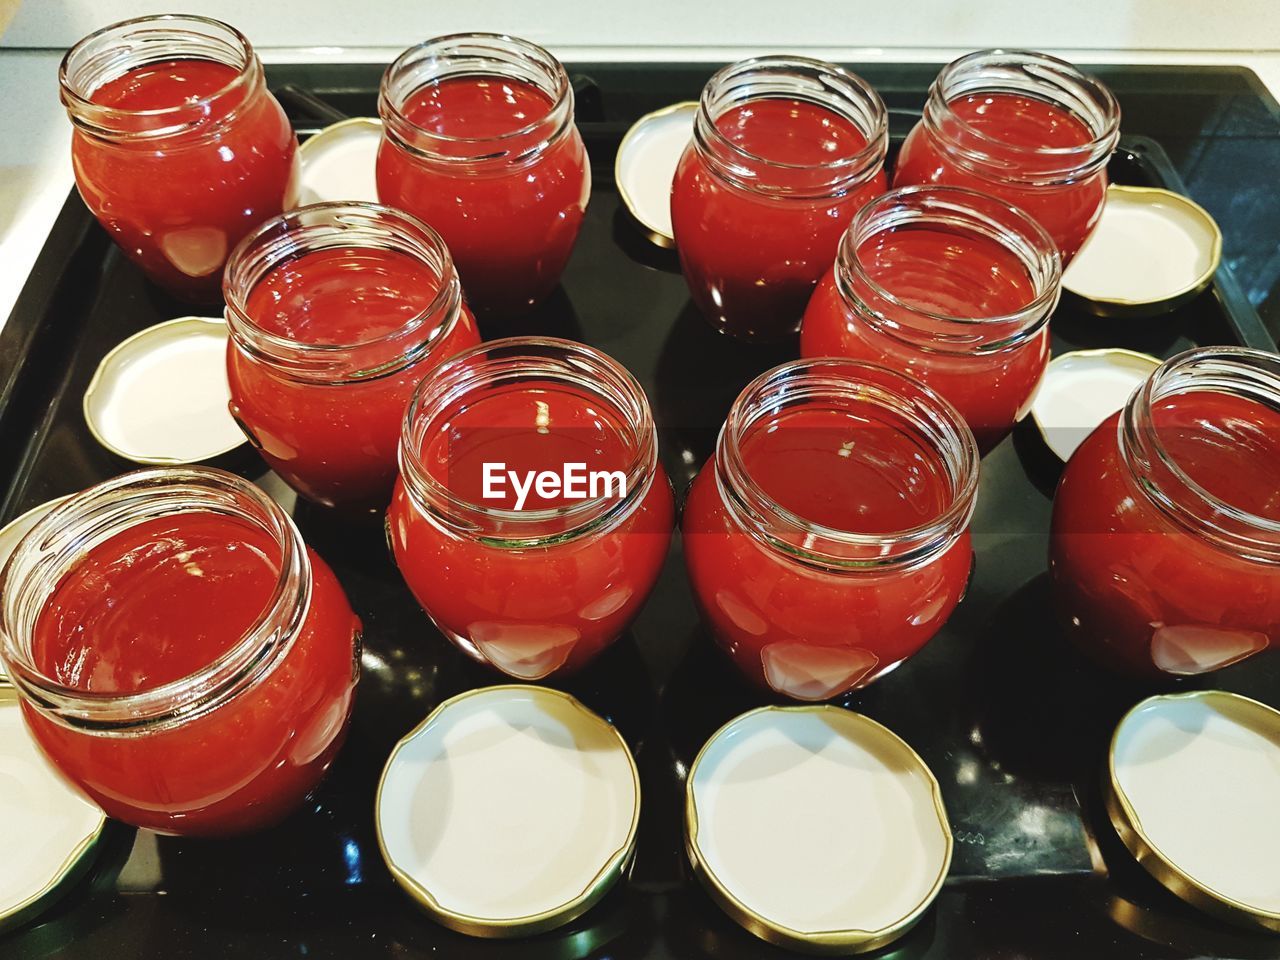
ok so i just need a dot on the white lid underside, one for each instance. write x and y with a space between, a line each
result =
1080 390
647 162
340 163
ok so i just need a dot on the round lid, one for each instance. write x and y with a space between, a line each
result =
1081 389
340 162
816 828
48 832
509 811
161 396
1152 250
1194 786
646 164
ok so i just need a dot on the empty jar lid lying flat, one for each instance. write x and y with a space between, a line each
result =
1152 251
48 832
509 811
1195 794
339 163
1081 389
816 828
646 164
160 397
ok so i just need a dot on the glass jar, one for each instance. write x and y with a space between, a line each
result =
179 149
785 151
828 537
479 141
182 657
948 285
1025 127
336 311
1165 542
542 585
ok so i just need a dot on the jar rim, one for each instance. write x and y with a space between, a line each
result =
1008 225
561 92
98 118
536 358
861 163
831 378
1241 370
359 225
1105 134
89 518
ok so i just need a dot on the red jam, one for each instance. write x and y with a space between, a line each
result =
178 203
1146 593
530 595
153 605
333 436
752 259
1012 126
958 310
510 222
792 617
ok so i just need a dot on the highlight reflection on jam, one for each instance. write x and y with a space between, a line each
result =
1139 591
531 609
752 260
510 224
1013 124
937 276
801 629
336 442
178 204
159 602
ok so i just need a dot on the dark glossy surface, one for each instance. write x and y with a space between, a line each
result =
1012 722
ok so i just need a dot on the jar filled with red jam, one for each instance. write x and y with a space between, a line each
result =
828 537
182 657
952 287
479 141
532 515
336 311
1165 547
1025 127
179 149
785 151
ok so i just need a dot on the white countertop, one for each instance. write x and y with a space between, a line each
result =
35 155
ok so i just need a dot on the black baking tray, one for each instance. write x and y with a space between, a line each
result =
1013 723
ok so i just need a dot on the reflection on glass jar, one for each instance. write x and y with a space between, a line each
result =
479 141
179 148
828 538
784 153
1165 549
336 311
950 286
182 657
532 515
1025 127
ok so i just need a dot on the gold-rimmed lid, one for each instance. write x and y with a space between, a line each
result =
160 397
1080 389
1193 787
339 163
1151 251
646 164
49 833
816 828
510 811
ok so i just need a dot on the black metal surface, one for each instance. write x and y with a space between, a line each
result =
1012 722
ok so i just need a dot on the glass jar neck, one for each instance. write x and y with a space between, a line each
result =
84 521
340 226
794 78
1036 76
113 51
970 217
476 55
898 402
547 365
1251 375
